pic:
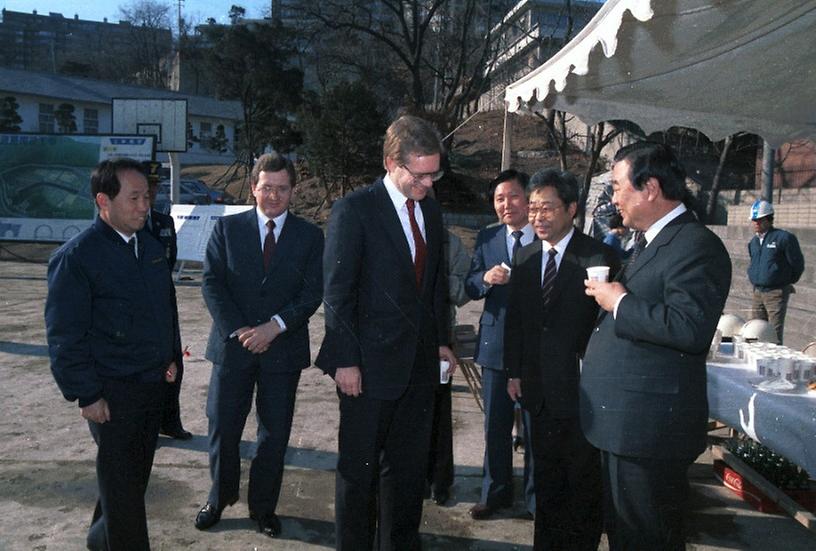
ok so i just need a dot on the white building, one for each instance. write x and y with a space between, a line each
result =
39 95
530 33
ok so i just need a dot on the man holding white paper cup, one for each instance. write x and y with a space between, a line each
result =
549 321
643 384
487 279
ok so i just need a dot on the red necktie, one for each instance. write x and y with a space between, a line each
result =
269 244
419 243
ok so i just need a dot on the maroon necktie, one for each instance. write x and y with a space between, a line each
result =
419 243
548 281
269 244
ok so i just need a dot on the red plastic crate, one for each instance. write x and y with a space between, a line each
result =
743 488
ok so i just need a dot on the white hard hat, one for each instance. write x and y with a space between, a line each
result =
730 325
759 330
760 209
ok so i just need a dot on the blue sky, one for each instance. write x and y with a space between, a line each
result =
196 11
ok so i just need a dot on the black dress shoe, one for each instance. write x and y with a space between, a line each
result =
208 516
268 523
441 496
177 432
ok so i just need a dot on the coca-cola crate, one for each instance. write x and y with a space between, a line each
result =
743 488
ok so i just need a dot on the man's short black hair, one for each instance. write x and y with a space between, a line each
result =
507 176
565 184
104 177
658 161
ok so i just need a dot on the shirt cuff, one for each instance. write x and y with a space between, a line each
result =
617 303
278 319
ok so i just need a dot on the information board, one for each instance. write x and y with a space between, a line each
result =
194 224
45 181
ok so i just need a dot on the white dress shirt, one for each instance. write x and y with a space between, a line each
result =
402 211
279 221
527 237
649 235
561 247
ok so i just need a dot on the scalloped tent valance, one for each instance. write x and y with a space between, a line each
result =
720 66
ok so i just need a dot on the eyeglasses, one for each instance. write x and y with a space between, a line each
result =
269 190
543 209
434 176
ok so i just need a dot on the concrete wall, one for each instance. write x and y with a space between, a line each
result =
800 323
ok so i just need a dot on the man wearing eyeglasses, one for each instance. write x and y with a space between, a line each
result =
549 321
385 300
262 281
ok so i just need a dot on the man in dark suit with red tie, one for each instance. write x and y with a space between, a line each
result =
643 385
548 322
386 330
262 281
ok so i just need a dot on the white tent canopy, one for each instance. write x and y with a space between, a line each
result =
720 66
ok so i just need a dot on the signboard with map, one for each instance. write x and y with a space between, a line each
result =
45 181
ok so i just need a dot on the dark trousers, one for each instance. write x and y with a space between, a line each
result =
645 501
567 486
497 482
440 458
383 449
171 418
229 401
124 458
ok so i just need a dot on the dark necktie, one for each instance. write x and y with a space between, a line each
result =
419 243
640 244
548 282
132 246
269 244
516 244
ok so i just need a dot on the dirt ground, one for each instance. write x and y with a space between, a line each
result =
47 476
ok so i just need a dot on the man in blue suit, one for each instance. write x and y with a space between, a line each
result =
488 278
262 281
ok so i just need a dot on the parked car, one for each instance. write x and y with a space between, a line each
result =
217 196
189 194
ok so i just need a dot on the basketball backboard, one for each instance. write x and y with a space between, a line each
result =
164 118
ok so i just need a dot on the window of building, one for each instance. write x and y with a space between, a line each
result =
47 117
205 131
90 122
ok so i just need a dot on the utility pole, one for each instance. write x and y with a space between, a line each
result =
768 155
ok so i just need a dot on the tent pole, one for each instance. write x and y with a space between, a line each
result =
507 134
767 171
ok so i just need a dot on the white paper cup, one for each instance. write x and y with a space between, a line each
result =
598 273
444 372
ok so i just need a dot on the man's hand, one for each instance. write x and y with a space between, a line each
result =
446 353
257 339
496 276
171 372
605 294
514 389
349 380
97 412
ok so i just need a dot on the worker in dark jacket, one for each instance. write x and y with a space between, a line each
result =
113 336
161 226
776 264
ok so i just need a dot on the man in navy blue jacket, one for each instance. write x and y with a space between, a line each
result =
776 264
262 281
488 279
113 336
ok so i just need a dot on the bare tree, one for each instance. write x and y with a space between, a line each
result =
151 39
